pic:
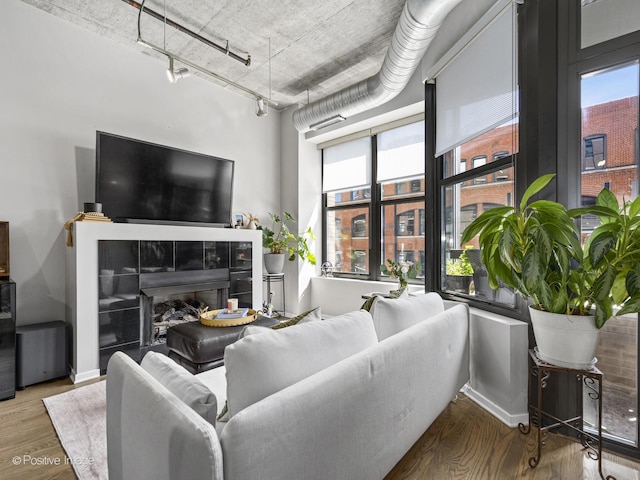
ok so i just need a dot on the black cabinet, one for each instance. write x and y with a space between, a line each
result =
7 339
241 281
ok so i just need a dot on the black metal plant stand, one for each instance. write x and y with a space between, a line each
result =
270 278
592 379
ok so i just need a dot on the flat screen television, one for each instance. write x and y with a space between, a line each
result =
143 182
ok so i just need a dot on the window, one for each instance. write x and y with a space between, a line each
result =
609 122
359 261
462 204
405 223
475 120
500 175
382 210
594 152
478 162
359 226
401 188
346 182
467 215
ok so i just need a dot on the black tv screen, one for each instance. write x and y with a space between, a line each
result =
143 182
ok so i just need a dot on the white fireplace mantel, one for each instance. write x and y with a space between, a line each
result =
82 277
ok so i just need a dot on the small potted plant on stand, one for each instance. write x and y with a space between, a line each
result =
281 243
536 249
402 271
459 272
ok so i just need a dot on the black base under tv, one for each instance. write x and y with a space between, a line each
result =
144 221
143 182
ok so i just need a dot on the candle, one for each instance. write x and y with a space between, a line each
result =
402 248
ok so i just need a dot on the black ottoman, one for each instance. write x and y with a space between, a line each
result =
199 348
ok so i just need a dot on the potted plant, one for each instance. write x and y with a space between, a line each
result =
281 242
459 272
537 250
402 271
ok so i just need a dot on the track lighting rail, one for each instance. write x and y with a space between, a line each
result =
173 56
224 49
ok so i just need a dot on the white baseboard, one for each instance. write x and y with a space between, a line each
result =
84 376
510 419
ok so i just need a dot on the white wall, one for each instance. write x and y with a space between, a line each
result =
301 195
336 296
61 84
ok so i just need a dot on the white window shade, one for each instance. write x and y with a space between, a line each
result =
477 90
401 152
347 165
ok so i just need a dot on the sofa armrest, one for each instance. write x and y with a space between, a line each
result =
151 433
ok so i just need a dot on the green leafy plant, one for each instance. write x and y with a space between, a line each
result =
280 239
402 271
460 266
536 249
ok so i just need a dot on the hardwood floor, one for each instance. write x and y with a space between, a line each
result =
28 435
465 442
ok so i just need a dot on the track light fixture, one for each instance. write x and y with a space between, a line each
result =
262 108
176 74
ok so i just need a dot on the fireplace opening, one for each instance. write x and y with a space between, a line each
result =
170 299
169 312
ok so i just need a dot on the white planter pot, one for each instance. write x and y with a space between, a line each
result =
565 340
274 262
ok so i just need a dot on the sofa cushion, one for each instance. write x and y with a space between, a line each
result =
368 304
391 316
182 384
259 365
312 315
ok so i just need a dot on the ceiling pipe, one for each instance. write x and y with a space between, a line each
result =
416 28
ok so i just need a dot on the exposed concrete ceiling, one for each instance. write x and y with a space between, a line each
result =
317 48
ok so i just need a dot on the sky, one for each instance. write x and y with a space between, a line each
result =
605 86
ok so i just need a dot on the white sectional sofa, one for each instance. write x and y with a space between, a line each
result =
343 398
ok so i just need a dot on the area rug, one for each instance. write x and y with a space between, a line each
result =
79 417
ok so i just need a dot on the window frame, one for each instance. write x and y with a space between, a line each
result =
376 204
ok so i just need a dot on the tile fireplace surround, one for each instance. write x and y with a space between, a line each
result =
83 272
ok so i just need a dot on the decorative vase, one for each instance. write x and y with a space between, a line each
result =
274 262
565 340
402 282
252 225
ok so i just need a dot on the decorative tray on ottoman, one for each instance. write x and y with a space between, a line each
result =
209 319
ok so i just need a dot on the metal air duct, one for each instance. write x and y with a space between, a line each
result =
416 28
